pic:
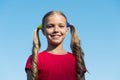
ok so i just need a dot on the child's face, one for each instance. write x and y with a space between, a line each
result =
55 29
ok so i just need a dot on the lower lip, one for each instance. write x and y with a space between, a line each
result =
55 37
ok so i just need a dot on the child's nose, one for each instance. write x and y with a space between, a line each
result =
56 28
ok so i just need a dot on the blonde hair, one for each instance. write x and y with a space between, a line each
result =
78 53
32 74
75 47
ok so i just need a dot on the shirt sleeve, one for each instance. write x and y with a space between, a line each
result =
28 63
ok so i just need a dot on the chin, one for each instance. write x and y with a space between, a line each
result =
55 43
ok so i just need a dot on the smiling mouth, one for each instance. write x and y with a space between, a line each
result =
55 36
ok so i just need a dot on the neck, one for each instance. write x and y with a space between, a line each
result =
56 49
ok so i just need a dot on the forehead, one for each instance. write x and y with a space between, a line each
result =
55 18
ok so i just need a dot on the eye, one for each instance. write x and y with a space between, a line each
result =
61 26
49 26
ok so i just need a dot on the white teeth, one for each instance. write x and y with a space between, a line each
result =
55 36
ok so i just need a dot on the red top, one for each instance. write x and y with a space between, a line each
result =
55 67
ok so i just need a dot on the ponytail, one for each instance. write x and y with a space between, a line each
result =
33 73
78 53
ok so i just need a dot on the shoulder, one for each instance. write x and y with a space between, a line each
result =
71 55
39 54
42 53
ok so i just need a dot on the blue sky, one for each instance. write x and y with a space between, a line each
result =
97 23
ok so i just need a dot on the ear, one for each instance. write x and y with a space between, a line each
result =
43 31
67 30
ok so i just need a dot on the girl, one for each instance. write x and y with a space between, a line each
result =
55 63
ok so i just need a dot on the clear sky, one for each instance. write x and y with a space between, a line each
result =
97 23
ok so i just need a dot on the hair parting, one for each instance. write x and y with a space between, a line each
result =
78 53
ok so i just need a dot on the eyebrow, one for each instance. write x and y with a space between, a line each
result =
58 24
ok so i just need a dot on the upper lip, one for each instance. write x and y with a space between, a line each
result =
55 35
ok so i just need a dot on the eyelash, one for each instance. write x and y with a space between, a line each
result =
50 26
61 26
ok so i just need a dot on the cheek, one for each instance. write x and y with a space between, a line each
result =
47 32
66 31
